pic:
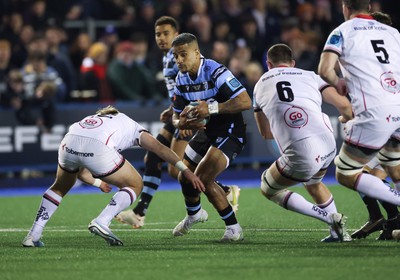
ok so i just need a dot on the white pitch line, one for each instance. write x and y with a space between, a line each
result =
63 229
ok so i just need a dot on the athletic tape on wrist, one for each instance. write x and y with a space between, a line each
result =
180 166
97 183
213 108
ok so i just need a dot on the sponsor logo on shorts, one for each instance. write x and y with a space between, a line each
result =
323 158
79 154
296 117
391 118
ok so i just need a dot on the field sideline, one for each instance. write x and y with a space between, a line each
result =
278 244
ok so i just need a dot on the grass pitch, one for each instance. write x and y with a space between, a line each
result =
278 244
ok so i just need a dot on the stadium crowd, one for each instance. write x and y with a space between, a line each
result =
45 62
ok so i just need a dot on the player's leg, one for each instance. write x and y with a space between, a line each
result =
214 163
151 181
324 199
349 166
274 187
129 181
50 201
194 152
389 157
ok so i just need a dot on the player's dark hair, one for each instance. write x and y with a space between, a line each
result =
167 20
184 38
357 5
382 18
280 53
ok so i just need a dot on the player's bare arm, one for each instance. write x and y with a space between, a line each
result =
148 142
263 125
326 69
341 103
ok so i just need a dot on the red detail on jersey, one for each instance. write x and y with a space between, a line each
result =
364 16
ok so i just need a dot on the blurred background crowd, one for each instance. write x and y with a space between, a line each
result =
58 52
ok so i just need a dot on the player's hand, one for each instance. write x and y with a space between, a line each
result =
342 119
192 123
194 180
201 111
166 115
185 133
105 187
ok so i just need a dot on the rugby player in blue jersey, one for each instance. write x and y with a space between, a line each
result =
221 132
166 29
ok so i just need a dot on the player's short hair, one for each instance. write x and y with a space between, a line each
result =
184 38
109 110
357 5
167 20
279 53
382 18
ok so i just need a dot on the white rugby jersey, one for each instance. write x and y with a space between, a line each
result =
369 56
116 131
291 99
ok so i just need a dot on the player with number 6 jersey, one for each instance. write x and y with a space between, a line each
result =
287 106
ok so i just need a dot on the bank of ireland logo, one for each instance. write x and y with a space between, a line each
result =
389 82
296 117
91 122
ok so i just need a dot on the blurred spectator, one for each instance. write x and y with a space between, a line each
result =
237 67
253 73
145 20
78 49
174 9
38 15
93 74
221 52
5 67
14 94
42 86
222 31
267 22
252 38
142 55
59 62
110 38
19 49
199 23
130 80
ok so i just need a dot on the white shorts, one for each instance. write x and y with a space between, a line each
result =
373 128
304 158
78 151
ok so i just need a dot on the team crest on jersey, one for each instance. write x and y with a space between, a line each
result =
389 82
296 117
91 122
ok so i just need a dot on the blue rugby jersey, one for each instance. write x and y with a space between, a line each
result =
170 70
214 82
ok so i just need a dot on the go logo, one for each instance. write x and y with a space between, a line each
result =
296 117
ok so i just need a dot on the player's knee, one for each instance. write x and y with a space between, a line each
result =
389 158
188 190
269 187
346 167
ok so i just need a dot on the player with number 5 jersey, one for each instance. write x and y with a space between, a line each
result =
368 53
